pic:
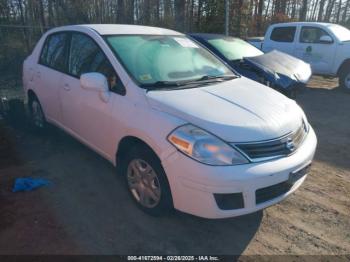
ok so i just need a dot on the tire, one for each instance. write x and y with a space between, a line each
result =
146 181
344 78
36 115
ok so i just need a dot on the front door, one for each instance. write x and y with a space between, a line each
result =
311 49
85 114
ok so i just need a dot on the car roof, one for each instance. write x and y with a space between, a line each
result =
302 24
207 36
120 29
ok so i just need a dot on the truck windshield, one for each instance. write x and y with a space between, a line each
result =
234 48
162 60
341 32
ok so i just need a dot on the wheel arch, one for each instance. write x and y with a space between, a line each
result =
31 95
128 142
345 63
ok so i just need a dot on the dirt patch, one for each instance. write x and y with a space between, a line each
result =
319 82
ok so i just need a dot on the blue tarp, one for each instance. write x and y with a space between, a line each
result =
29 184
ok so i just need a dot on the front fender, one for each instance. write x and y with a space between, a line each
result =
152 127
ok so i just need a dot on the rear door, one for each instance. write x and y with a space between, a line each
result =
85 114
320 55
49 72
281 38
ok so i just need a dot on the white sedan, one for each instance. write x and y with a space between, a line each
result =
182 128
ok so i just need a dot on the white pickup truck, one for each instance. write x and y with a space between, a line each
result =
325 46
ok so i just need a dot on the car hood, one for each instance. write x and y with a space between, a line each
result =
286 68
240 110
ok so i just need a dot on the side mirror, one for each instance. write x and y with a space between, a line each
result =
326 39
95 82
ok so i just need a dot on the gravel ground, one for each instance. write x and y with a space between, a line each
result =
87 210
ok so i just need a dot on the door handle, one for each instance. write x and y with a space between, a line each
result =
66 87
308 49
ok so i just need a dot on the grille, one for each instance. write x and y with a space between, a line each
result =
280 147
271 192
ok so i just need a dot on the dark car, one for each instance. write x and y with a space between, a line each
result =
278 70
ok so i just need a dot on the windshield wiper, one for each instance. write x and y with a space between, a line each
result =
209 78
161 85
236 60
171 85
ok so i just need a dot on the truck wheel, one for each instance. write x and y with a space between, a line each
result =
344 78
36 114
147 181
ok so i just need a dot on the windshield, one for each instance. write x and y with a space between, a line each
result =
154 59
234 48
341 32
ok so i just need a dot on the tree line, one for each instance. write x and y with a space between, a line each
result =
23 21
247 17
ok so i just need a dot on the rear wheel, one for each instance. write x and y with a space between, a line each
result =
147 181
37 117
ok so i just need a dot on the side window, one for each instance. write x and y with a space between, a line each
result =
312 35
54 51
86 57
283 34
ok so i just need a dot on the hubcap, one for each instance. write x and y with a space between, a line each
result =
37 114
143 183
347 81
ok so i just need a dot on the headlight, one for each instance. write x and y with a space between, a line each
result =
204 147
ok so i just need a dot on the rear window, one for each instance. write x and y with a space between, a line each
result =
283 34
54 51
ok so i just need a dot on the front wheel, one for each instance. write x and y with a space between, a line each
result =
147 181
344 78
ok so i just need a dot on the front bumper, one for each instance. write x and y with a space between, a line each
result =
193 184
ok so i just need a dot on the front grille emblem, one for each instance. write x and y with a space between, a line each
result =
275 148
290 144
